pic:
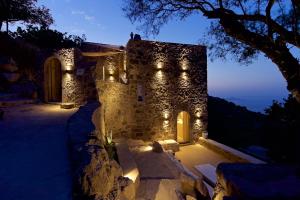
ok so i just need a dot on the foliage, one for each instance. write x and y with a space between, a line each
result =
23 53
233 125
282 130
46 38
278 130
25 11
240 27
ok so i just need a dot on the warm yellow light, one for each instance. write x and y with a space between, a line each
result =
166 114
69 67
132 175
159 65
184 65
179 121
198 114
197 124
110 71
111 79
146 148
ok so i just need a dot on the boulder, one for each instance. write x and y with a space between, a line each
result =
99 178
128 191
157 147
257 182
187 184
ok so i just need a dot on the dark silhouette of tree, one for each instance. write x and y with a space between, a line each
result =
281 130
241 27
46 38
25 11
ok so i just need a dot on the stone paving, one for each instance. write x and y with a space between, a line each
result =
33 153
192 155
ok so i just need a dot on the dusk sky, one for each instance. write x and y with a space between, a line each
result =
103 21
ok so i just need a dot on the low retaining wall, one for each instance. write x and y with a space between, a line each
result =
95 175
228 152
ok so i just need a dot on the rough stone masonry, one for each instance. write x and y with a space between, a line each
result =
163 79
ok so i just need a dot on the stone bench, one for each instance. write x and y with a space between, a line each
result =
209 173
127 162
169 145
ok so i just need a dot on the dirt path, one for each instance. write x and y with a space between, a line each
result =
33 153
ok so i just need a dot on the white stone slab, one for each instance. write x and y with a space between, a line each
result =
208 171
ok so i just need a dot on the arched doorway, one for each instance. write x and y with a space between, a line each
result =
183 127
52 77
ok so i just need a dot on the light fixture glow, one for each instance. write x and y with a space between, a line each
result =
159 65
132 175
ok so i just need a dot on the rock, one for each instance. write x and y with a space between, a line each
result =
116 168
189 197
187 184
157 147
98 179
11 77
128 191
256 182
201 188
167 189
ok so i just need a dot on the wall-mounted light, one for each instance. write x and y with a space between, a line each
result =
166 124
68 67
184 65
159 65
111 78
166 114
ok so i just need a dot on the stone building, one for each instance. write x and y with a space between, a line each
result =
148 90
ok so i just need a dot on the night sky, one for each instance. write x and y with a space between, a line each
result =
103 21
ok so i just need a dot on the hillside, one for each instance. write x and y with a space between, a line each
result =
233 125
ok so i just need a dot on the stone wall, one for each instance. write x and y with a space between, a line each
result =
171 78
163 80
117 108
77 88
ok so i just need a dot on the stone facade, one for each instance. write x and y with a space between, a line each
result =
163 79
142 88
77 87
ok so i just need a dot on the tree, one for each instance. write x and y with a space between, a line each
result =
25 11
242 27
46 38
281 130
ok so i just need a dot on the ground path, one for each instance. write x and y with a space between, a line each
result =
33 153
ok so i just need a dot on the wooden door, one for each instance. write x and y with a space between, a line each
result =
183 127
53 78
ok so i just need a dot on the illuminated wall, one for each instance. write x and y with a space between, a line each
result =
174 79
